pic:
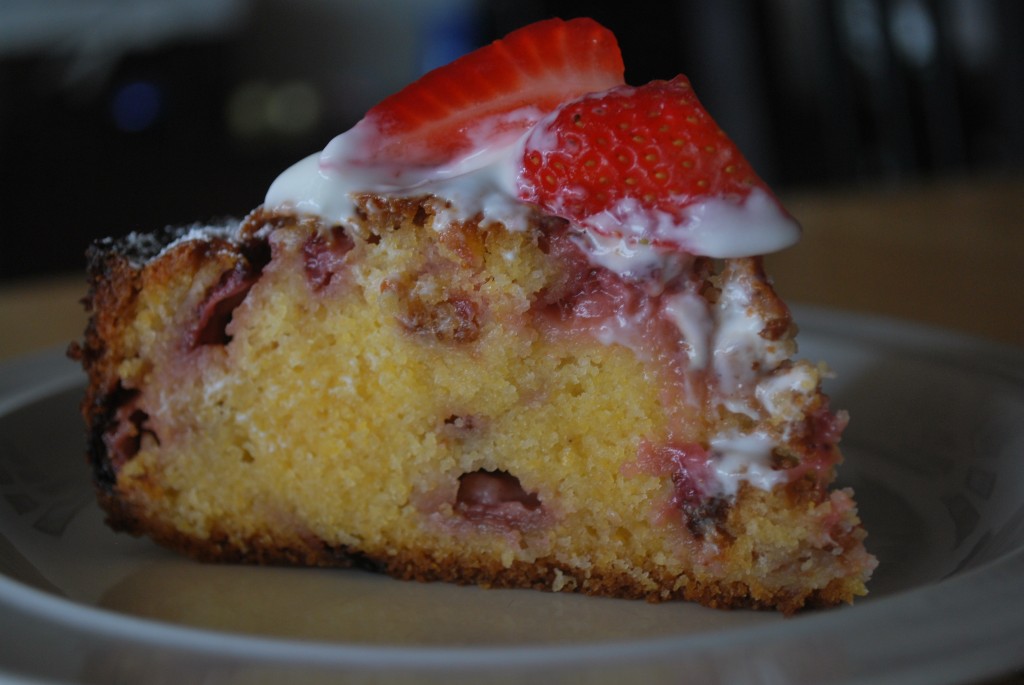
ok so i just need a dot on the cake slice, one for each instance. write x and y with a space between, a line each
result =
512 329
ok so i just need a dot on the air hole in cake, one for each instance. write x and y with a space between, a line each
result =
460 422
126 428
216 309
258 251
324 256
576 389
420 218
496 497
460 428
622 536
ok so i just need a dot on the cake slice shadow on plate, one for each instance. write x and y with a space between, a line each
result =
356 607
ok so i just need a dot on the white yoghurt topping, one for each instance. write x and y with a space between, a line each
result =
737 342
722 338
483 183
480 184
693 318
744 457
327 191
712 228
783 394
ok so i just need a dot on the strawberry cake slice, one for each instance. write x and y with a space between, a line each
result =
512 329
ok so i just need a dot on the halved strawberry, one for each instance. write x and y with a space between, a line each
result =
650 165
499 90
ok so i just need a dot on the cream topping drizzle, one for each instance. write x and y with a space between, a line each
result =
483 183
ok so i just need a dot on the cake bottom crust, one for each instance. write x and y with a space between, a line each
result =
545 574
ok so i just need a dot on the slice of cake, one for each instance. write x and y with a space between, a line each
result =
512 329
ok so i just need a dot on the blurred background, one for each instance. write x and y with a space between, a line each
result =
121 115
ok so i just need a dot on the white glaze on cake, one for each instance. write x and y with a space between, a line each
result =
483 183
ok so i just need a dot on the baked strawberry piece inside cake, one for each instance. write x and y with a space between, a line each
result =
511 329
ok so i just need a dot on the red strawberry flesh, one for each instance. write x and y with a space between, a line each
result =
498 91
650 166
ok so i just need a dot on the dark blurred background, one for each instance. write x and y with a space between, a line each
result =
121 115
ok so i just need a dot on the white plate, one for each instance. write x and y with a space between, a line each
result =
935 451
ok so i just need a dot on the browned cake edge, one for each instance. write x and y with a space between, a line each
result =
420 565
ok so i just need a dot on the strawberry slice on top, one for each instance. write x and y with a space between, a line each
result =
495 93
648 166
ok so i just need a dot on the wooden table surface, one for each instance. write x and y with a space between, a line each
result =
947 253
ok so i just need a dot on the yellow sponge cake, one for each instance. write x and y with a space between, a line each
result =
437 352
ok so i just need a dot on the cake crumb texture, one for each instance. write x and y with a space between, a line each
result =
389 395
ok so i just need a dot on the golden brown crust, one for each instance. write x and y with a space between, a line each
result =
115 280
544 574
113 288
